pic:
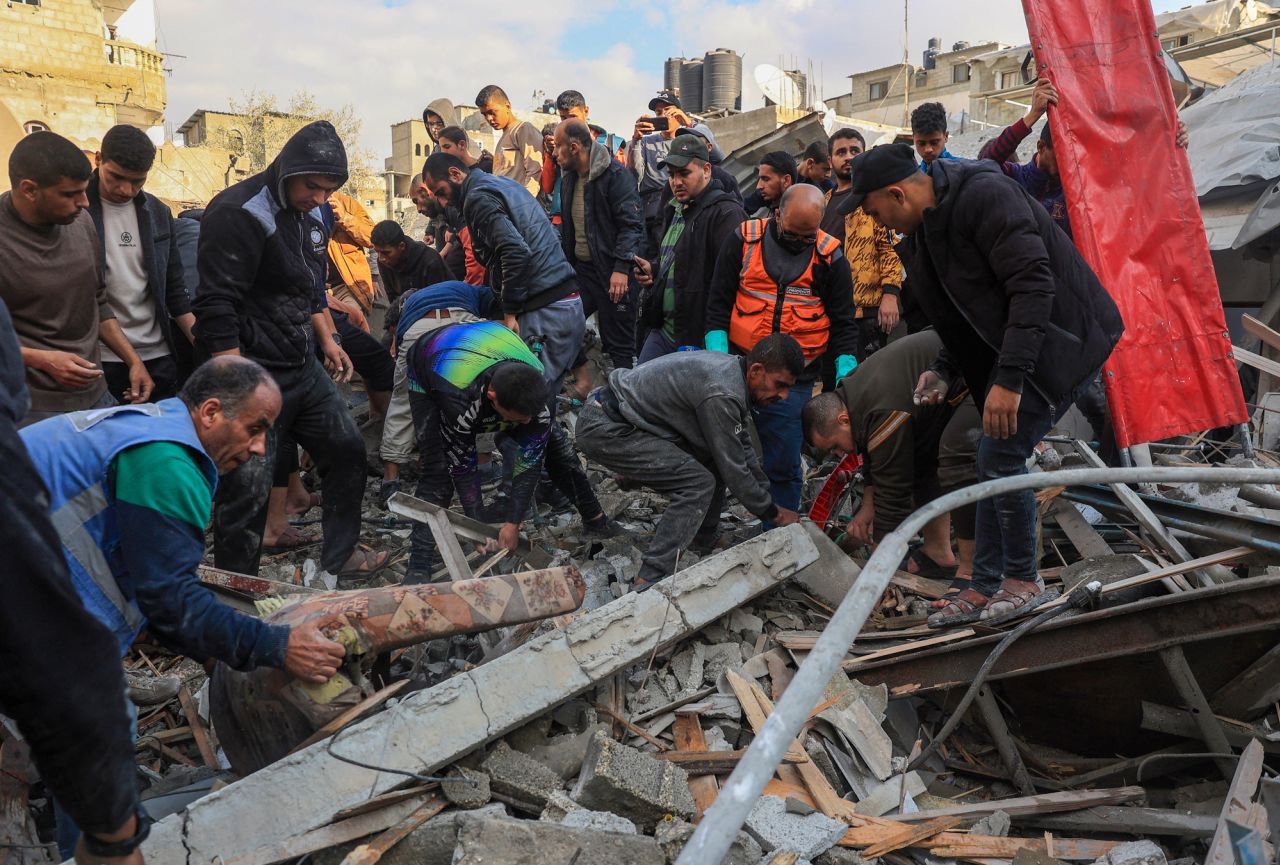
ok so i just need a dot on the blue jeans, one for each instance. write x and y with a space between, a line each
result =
781 436
65 831
656 344
1005 542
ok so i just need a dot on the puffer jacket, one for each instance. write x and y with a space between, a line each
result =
262 263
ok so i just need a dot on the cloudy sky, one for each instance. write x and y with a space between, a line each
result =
388 58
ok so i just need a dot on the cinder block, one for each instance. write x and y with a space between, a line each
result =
485 841
520 777
629 782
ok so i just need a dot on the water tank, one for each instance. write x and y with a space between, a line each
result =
722 80
931 53
671 74
959 46
691 86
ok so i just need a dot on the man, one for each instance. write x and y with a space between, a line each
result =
152 470
873 265
61 681
777 173
572 104
444 228
425 309
537 288
146 284
680 426
519 151
912 453
349 278
784 275
438 115
644 155
719 176
53 282
404 264
929 133
464 380
696 223
262 261
815 166
602 235
1023 320
453 139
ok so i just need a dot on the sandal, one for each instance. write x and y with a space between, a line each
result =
958 584
1016 599
289 539
926 567
369 563
965 607
313 501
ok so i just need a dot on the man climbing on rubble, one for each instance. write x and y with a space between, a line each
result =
680 425
785 275
911 452
1023 321
130 493
466 379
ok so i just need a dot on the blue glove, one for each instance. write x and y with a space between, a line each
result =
717 340
845 364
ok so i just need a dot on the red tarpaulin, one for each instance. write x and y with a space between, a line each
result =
1135 217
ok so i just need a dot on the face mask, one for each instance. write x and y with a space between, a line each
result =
795 242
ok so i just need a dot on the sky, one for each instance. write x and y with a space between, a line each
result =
388 58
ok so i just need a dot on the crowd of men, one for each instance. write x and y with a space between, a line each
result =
928 314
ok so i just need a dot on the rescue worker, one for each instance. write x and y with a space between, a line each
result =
785 275
679 425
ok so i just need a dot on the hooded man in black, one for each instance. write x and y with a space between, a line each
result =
262 258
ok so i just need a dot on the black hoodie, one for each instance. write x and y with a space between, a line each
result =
262 263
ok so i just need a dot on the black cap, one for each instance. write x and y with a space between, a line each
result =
686 149
881 166
667 97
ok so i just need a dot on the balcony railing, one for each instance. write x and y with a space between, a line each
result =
132 55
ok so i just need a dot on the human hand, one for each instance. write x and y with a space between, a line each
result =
890 313
930 389
511 323
1000 412
310 655
509 536
786 517
862 525
140 384
643 271
336 361
617 287
676 120
643 127
67 369
1182 139
1044 95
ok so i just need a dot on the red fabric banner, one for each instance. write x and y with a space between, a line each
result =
1135 217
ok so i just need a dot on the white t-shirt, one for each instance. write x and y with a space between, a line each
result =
127 283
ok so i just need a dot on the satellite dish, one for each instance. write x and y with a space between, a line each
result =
778 87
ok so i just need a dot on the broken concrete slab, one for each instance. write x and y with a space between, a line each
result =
839 856
621 779
1134 853
435 726
886 796
775 829
564 754
431 843
467 789
485 841
672 835
599 821
558 806
520 777
997 824
831 578
719 658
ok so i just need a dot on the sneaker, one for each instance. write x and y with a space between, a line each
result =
709 543
603 528
144 690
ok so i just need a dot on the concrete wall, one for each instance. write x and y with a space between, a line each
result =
735 130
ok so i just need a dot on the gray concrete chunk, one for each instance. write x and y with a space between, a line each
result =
672 835
520 777
626 781
532 842
468 788
775 829
598 821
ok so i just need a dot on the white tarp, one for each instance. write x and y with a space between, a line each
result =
1235 132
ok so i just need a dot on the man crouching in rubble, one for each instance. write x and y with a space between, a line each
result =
130 493
680 425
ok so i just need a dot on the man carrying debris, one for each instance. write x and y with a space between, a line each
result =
784 275
911 452
130 493
1023 320
680 425
464 380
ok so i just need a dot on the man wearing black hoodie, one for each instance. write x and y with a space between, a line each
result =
262 258
1022 318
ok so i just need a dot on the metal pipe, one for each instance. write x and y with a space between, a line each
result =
719 827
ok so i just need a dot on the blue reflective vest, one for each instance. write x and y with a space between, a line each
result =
73 454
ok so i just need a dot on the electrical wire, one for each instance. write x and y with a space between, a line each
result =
422 779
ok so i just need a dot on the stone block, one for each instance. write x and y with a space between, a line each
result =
775 829
1134 853
564 754
626 781
431 843
467 789
520 777
598 821
558 805
533 842
832 576
672 835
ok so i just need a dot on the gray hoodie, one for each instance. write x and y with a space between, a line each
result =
699 400
444 108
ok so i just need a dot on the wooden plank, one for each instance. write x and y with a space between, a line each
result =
1083 536
703 762
909 647
359 710
1252 692
1043 803
961 845
1180 722
910 835
632 728
751 707
1221 558
371 853
1236 806
384 800
690 740
1254 327
203 739
1126 819
1257 361
918 585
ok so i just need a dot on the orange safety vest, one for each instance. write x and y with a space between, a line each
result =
764 307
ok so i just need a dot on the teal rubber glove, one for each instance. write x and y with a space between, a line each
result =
845 364
717 340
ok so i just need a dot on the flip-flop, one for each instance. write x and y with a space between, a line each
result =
290 539
640 584
926 567
1010 605
962 609
370 564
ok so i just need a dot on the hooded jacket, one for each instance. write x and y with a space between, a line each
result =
611 218
262 263
513 238
350 237
1005 288
444 108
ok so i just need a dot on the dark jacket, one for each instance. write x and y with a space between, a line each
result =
262 264
1006 289
421 266
166 281
611 213
513 238
830 284
710 219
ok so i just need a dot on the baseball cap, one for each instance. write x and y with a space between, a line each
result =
881 166
667 97
685 149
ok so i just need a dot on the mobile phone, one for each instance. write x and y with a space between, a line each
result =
660 124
